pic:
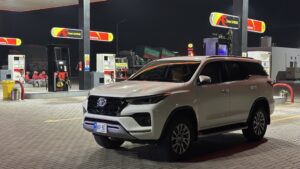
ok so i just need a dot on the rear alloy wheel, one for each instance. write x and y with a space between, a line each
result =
108 142
257 125
177 141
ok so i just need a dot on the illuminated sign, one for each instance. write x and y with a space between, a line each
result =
66 33
221 20
256 26
191 49
77 34
87 63
101 36
224 21
10 41
190 45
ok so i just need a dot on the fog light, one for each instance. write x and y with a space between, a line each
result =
143 119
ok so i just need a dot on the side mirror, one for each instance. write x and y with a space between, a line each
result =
204 79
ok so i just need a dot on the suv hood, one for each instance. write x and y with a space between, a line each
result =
135 88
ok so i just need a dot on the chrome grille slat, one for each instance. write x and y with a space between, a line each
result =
113 107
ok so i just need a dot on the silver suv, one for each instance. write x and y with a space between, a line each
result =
173 101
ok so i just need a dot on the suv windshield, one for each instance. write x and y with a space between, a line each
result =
167 71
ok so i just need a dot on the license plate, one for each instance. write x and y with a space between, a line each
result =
100 127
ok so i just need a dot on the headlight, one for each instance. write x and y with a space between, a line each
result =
147 99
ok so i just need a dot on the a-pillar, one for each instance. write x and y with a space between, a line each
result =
84 44
240 36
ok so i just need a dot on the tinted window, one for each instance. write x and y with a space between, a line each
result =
215 71
253 68
167 71
235 72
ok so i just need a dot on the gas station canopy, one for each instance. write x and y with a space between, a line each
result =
29 5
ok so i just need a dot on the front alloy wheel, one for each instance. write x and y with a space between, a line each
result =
180 139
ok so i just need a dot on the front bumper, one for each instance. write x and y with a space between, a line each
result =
114 129
118 127
128 127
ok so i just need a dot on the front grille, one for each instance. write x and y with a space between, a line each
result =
113 106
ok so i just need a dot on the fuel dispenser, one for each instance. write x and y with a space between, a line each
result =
121 69
58 68
16 64
106 64
216 46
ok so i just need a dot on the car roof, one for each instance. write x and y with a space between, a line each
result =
206 58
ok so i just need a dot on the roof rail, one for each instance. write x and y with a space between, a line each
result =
231 56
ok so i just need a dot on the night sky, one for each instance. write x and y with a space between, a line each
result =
158 23
173 24
161 23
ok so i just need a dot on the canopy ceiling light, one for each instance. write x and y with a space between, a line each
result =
30 5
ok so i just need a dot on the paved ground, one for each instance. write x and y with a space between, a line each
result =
49 134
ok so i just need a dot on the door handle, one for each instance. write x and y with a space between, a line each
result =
253 87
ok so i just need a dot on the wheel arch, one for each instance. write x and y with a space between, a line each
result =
186 111
262 101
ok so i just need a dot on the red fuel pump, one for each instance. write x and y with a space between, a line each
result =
58 68
61 77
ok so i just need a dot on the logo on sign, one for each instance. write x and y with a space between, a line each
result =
66 33
221 20
256 26
10 41
224 21
101 102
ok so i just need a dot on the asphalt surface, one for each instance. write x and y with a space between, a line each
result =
49 134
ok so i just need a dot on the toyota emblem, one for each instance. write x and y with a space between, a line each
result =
101 102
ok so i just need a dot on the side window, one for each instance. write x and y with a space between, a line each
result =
214 71
235 71
155 74
178 73
253 68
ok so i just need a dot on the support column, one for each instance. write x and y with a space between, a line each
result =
240 37
2 24
84 44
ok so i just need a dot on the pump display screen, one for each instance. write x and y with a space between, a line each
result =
61 66
223 50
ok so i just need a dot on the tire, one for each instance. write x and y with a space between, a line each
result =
108 142
257 124
173 145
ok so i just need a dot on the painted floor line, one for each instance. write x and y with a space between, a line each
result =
286 118
60 120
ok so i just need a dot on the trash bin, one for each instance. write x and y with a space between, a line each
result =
7 87
15 94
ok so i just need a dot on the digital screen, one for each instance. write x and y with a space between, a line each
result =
223 50
210 47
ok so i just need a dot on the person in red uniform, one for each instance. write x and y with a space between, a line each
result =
27 77
35 75
43 75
